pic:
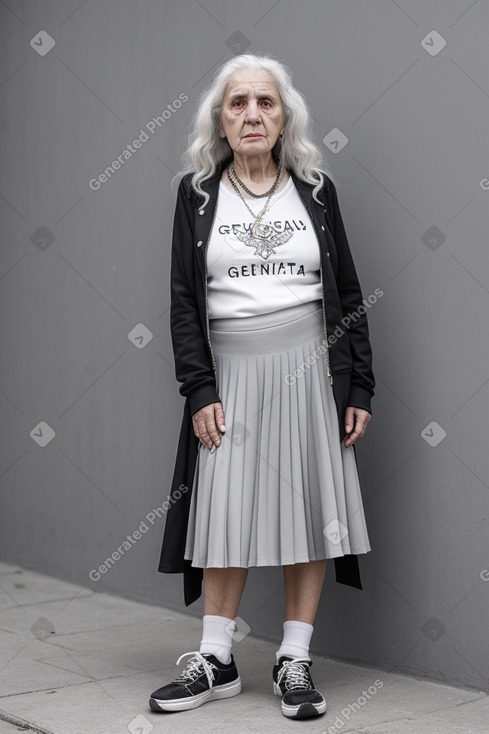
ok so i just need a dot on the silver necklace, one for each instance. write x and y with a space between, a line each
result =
261 236
256 196
257 217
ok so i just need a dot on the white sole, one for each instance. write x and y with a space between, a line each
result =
227 690
292 711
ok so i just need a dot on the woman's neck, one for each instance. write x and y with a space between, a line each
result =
258 188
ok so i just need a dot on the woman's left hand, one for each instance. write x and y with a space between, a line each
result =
357 419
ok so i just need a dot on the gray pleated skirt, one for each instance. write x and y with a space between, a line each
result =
280 488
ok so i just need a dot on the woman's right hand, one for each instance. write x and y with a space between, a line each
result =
206 422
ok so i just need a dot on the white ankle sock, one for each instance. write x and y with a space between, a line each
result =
217 636
296 639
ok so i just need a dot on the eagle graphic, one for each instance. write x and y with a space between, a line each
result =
264 239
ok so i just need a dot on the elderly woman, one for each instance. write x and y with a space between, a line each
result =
271 345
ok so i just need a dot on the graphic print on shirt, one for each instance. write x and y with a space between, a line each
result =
264 238
273 267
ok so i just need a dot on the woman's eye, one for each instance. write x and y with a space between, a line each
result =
238 102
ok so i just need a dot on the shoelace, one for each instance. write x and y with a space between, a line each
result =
194 667
295 672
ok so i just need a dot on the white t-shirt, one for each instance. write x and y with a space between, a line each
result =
245 276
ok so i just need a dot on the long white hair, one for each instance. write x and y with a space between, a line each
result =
297 151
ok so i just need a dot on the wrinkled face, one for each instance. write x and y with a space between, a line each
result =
252 115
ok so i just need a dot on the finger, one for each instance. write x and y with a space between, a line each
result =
350 440
355 417
200 429
212 433
360 425
349 419
219 416
207 430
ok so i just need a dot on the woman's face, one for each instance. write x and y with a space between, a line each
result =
251 104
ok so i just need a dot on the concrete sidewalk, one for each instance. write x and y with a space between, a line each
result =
74 661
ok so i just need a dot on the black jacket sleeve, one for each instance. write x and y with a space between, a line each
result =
193 365
362 380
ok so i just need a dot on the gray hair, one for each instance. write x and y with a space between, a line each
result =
206 149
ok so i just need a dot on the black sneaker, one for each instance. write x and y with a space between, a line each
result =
203 679
292 680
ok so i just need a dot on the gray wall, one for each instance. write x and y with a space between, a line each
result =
84 299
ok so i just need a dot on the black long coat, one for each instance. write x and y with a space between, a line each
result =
349 347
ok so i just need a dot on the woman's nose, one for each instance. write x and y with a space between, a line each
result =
252 112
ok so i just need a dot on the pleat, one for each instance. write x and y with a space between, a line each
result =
310 486
280 485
